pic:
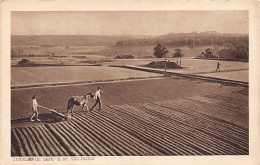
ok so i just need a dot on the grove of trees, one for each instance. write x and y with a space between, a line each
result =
236 46
187 39
237 52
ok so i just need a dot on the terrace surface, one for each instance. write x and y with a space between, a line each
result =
168 116
26 76
198 125
162 116
231 70
29 76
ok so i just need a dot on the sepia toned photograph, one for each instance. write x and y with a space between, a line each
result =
129 83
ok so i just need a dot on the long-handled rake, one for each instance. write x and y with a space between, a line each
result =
57 115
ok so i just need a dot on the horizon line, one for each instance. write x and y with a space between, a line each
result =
125 34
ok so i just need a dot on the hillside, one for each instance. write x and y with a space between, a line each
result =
188 39
171 39
67 40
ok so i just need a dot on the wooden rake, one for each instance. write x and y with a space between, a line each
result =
57 115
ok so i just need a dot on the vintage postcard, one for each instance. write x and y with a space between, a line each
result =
129 82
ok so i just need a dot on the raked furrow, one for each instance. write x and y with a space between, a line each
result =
16 142
97 145
108 131
185 136
137 132
54 142
190 131
199 125
13 151
195 111
214 110
104 133
32 141
38 145
149 132
24 142
194 121
230 100
237 129
71 139
55 151
135 144
110 148
172 133
85 143
45 143
62 140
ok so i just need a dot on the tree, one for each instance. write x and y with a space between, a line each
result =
208 53
178 54
160 51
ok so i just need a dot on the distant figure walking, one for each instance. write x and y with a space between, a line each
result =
34 106
218 67
97 97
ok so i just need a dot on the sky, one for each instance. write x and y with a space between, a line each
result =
127 22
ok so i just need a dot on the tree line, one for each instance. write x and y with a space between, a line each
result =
232 51
187 39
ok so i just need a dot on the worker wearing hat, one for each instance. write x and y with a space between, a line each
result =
97 97
34 107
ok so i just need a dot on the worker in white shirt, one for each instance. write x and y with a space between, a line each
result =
34 107
98 98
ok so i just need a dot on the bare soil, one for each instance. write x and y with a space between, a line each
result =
205 124
114 93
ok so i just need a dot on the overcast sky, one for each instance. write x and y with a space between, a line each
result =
132 22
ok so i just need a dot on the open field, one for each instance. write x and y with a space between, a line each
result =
192 66
151 117
233 75
24 76
61 50
232 70
149 50
21 76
